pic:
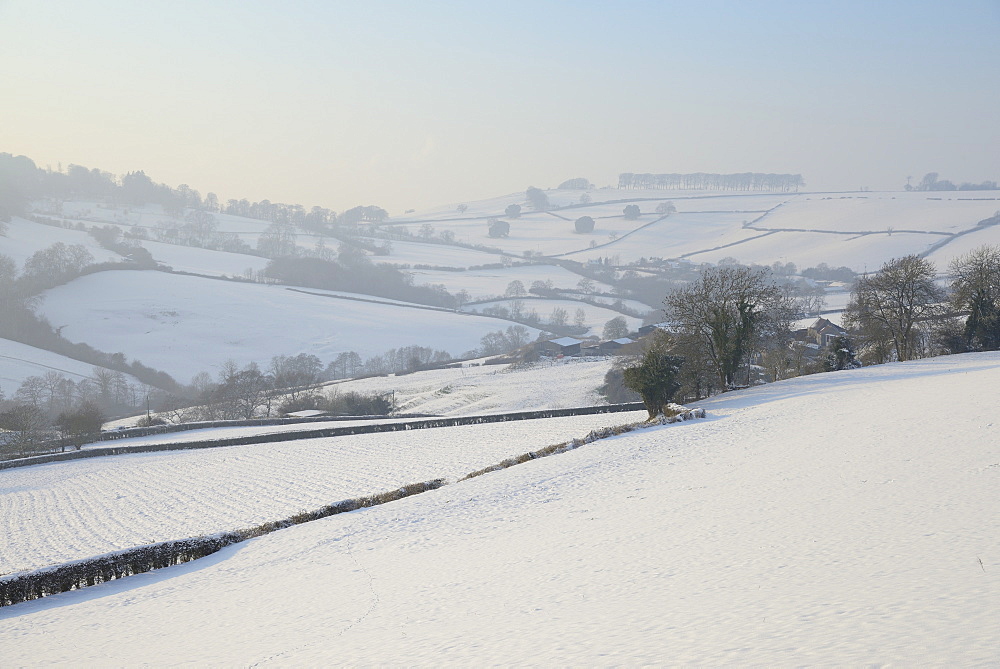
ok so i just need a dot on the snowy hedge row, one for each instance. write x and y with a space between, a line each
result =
674 414
24 586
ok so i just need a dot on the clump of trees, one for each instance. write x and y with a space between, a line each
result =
631 212
498 228
930 182
976 290
512 210
575 184
890 309
504 341
537 198
352 271
727 316
584 225
655 378
744 181
615 328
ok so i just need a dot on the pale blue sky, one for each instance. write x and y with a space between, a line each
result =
407 104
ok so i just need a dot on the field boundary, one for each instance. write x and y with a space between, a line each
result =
276 437
25 586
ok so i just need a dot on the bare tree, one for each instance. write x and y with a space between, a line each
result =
615 328
887 307
728 315
515 289
976 289
27 424
558 317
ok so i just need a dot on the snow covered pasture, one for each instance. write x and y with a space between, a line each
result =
434 255
24 238
678 235
595 317
59 512
482 389
838 519
19 361
185 325
483 283
203 261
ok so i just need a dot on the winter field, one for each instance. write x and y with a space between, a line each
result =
185 325
594 317
846 518
25 238
110 311
19 361
66 511
483 389
486 283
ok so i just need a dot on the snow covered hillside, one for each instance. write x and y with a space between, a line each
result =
185 325
857 230
846 518
55 513
482 389
19 361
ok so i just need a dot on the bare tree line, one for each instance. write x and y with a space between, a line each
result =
742 181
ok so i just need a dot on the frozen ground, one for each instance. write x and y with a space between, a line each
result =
65 511
483 283
19 361
548 384
838 519
204 261
435 255
24 238
185 325
595 317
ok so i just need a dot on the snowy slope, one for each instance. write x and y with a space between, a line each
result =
19 361
185 325
471 390
483 283
595 319
66 511
24 238
203 261
837 519
434 255
859 230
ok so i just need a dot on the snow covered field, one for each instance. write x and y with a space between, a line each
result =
467 391
435 255
66 511
482 283
185 325
203 261
676 236
24 238
595 317
19 361
837 519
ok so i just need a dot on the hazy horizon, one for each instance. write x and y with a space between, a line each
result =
410 106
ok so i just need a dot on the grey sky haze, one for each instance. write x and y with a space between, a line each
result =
409 105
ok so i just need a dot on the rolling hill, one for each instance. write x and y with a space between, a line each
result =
185 324
841 518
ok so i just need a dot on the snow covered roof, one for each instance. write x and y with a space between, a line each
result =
565 341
